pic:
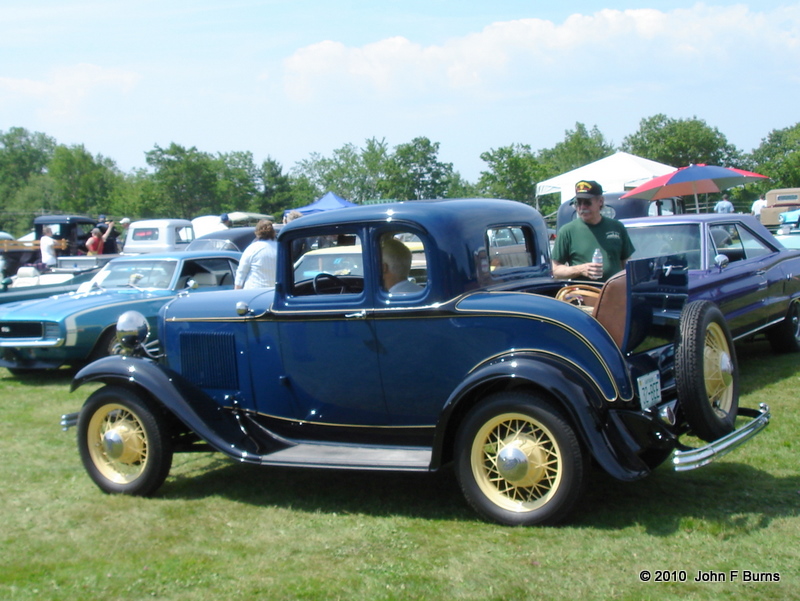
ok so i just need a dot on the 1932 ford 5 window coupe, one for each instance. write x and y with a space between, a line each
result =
461 354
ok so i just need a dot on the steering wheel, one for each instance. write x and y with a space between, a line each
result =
576 294
344 286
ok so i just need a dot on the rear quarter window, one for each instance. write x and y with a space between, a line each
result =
509 248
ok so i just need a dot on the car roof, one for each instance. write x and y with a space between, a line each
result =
62 219
180 255
691 218
434 212
160 222
240 237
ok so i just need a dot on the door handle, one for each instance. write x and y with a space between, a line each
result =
357 315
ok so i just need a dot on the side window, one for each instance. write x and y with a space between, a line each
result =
184 235
404 267
328 264
753 247
208 273
737 243
509 248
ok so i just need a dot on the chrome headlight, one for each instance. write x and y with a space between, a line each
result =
132 331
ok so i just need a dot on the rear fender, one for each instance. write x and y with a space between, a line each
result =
203 416
577 395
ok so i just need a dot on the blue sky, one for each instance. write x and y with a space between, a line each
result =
292 77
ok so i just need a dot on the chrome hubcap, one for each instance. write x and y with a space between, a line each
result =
726 368
521 462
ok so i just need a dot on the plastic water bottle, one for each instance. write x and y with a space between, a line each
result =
597 258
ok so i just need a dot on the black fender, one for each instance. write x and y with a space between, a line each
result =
606 438
203 416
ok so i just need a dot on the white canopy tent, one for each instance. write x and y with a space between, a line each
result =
616 173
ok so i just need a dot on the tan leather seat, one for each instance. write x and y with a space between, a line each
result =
611 307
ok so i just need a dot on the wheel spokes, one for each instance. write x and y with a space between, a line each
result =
119 445
540 456
718 371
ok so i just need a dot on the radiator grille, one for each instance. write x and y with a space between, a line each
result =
209 360
21 329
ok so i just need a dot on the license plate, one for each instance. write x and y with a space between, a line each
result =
649 389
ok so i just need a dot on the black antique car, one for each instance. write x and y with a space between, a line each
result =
69 231
474 358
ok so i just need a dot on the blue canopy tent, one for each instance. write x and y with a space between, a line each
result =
327 202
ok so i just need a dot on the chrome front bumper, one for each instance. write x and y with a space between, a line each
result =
685 460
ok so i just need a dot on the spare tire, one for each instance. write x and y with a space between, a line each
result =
706 371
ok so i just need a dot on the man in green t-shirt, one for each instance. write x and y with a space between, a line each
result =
577 241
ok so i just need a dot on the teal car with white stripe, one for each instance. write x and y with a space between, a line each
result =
77 328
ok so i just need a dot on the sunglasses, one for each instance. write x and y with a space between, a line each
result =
583 201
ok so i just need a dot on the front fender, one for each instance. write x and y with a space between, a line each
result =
577 395
203 416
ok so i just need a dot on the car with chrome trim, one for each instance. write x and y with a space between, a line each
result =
482 364
29 283
734 262
79 327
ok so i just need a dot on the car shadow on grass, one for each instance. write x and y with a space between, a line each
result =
725 499
40 377
420 495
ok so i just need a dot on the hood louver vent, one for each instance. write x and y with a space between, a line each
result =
209 360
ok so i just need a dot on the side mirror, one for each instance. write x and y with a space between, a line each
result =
721 261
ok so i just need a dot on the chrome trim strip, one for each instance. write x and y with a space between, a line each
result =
29 343
690 459
302 422
760 329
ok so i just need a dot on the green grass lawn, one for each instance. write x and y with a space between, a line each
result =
222 530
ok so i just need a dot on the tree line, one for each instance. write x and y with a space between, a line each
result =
40 176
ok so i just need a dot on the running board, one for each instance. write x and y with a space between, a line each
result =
411 459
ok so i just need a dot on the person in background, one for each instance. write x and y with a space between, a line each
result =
724 205
124 223
395 267
96 242
258 263
291 216
576 241
47 246
757 205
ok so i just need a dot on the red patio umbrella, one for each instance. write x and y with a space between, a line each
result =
693 179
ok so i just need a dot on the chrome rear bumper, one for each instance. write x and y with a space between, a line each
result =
691 459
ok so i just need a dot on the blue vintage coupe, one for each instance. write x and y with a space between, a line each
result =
76 328
734 262
443 347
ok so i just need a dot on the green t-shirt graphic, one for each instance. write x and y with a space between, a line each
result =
577 240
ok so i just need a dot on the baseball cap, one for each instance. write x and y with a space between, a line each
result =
588 189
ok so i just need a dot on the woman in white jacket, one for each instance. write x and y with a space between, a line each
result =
258 262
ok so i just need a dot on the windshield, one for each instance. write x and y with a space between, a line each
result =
142 274
666 240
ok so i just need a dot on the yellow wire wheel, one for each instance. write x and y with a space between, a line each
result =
117 443
124 444
518 460
718 369
706 373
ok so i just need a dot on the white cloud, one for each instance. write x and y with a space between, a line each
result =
640 43
65 92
